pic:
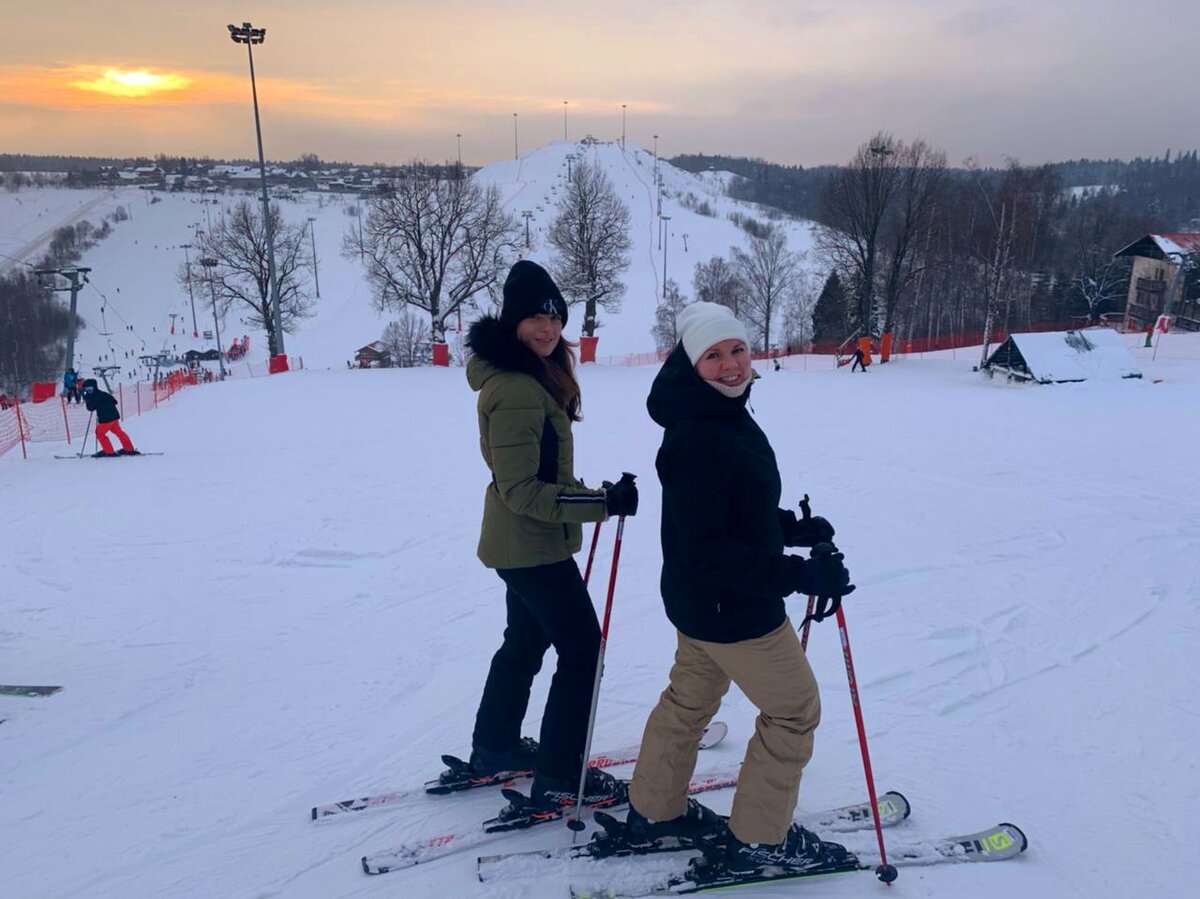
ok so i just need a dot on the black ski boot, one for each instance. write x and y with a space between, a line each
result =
103 455
600 790
696 823
125 452
801 850
518 759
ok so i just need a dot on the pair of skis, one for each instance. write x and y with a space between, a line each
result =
708 872
460 778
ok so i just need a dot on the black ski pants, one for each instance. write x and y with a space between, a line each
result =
548 605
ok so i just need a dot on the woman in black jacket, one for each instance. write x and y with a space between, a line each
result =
724 579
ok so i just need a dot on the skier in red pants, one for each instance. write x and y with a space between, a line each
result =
108 421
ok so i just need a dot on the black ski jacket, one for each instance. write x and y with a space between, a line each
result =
103 404
724 571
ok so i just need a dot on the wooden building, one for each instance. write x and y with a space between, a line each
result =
1156 259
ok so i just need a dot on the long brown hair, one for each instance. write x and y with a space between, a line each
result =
560 379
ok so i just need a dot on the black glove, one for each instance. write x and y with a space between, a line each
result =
808 531
621 498
824 576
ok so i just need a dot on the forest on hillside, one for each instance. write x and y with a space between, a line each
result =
908 245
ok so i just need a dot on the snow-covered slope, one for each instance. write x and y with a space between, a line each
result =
536 181
285 609
134 289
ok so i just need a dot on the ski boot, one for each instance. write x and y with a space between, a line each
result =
485 768
697 822
800 850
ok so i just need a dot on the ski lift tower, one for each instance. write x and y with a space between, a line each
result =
104 371
77 277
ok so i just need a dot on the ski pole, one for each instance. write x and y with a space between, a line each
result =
885 872
576 824
83 446
808 623
806 511
587 572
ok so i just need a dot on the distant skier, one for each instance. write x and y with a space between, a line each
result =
724 579
859 360
71 386
533 507
108 421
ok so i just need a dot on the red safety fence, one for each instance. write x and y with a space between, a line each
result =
842 349
56 420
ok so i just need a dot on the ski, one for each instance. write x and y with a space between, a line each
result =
114 456
458 777
610 842
999 843
13 690
431 848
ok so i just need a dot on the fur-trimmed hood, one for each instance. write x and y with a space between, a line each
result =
496 349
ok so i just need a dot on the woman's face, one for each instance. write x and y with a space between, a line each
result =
727 362
540 333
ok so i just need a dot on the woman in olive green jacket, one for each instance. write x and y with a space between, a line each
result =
533 510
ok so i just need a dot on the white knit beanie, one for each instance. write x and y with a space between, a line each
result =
700 325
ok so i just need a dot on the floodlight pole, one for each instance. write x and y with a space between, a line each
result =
312 233
249 36
564 119
623 127
666 239
516 152
209 264
191 296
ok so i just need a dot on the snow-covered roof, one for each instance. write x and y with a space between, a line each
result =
1157 246
1057 356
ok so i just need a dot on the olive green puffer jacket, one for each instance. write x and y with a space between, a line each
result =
534 505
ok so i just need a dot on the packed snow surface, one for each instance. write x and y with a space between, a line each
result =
285 610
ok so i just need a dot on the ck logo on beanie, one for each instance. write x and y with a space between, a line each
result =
549 308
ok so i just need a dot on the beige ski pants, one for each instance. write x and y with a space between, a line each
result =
774 674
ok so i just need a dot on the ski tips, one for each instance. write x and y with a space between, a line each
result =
899 799
713 734
1018 832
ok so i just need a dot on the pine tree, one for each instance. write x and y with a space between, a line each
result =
829 315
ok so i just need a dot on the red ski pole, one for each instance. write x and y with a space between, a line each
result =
576 824
885 872
587 572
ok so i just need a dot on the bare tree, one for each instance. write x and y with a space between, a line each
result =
1091 231
433 243
854 206
665 330
407 340
769 270
718 281
797 308
591 237
922 179
238 243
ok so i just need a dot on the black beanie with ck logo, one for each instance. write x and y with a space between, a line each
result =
529 290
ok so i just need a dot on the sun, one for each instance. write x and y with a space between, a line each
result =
133 83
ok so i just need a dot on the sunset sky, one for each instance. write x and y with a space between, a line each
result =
797 82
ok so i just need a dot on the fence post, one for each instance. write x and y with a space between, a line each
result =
21 430
66 421
138 388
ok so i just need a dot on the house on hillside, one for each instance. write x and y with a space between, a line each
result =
373 355
1156 259
1057 357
